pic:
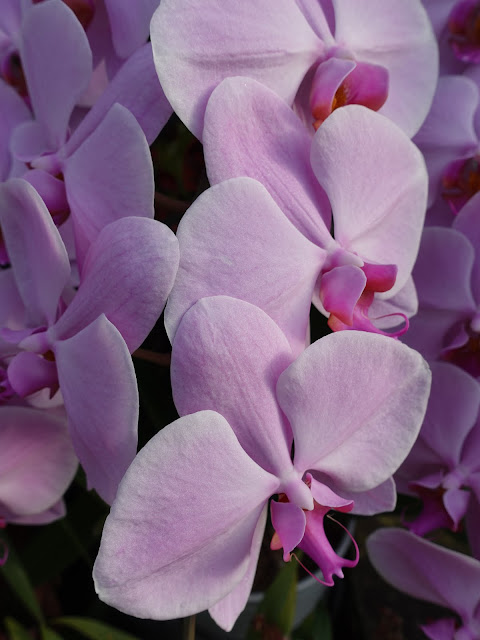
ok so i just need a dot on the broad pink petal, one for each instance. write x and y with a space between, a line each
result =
99 390
376 181
129 24
198 43
250 131
36 251
14 112
222 252
37 462
399 37
226 611
109 176
425 570
57 62
443 270
358 438
467 223
136 87
163 557
378 500
232 367
454 400
127 275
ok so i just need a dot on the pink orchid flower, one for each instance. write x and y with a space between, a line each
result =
275 249
185 530
381 54
429 572
443 468
84 348
447 325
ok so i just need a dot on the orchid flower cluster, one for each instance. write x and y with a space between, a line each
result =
306 111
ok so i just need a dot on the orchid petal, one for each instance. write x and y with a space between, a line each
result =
14 112
358 438
197 44
376 181
136 87
127 275
222 252
378 500
231 367
454 400
99 390
242 115
226 611
288 521
129 26
37 462
109 176
57 62
398 37
443 270
150 564
467 223
36 251
425 570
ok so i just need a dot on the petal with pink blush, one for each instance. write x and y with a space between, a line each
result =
14 112
378 500
136 87
222 252
443 270
148 559
37 462
128 274
196 44
398 37
99 390
376 181
109 176
242 115
288 520
221 364
36 251
340 290
226 611
425 570
357 439
57 62
129 26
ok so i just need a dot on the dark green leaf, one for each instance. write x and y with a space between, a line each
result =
50 634
16 631
94 629
19 582
277 610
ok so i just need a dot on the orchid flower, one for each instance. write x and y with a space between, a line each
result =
37 464
447 325
429 572
275 249
83 348
443 468
104 167
185 530
382 54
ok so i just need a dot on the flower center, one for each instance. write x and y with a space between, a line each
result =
461 181
464 30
